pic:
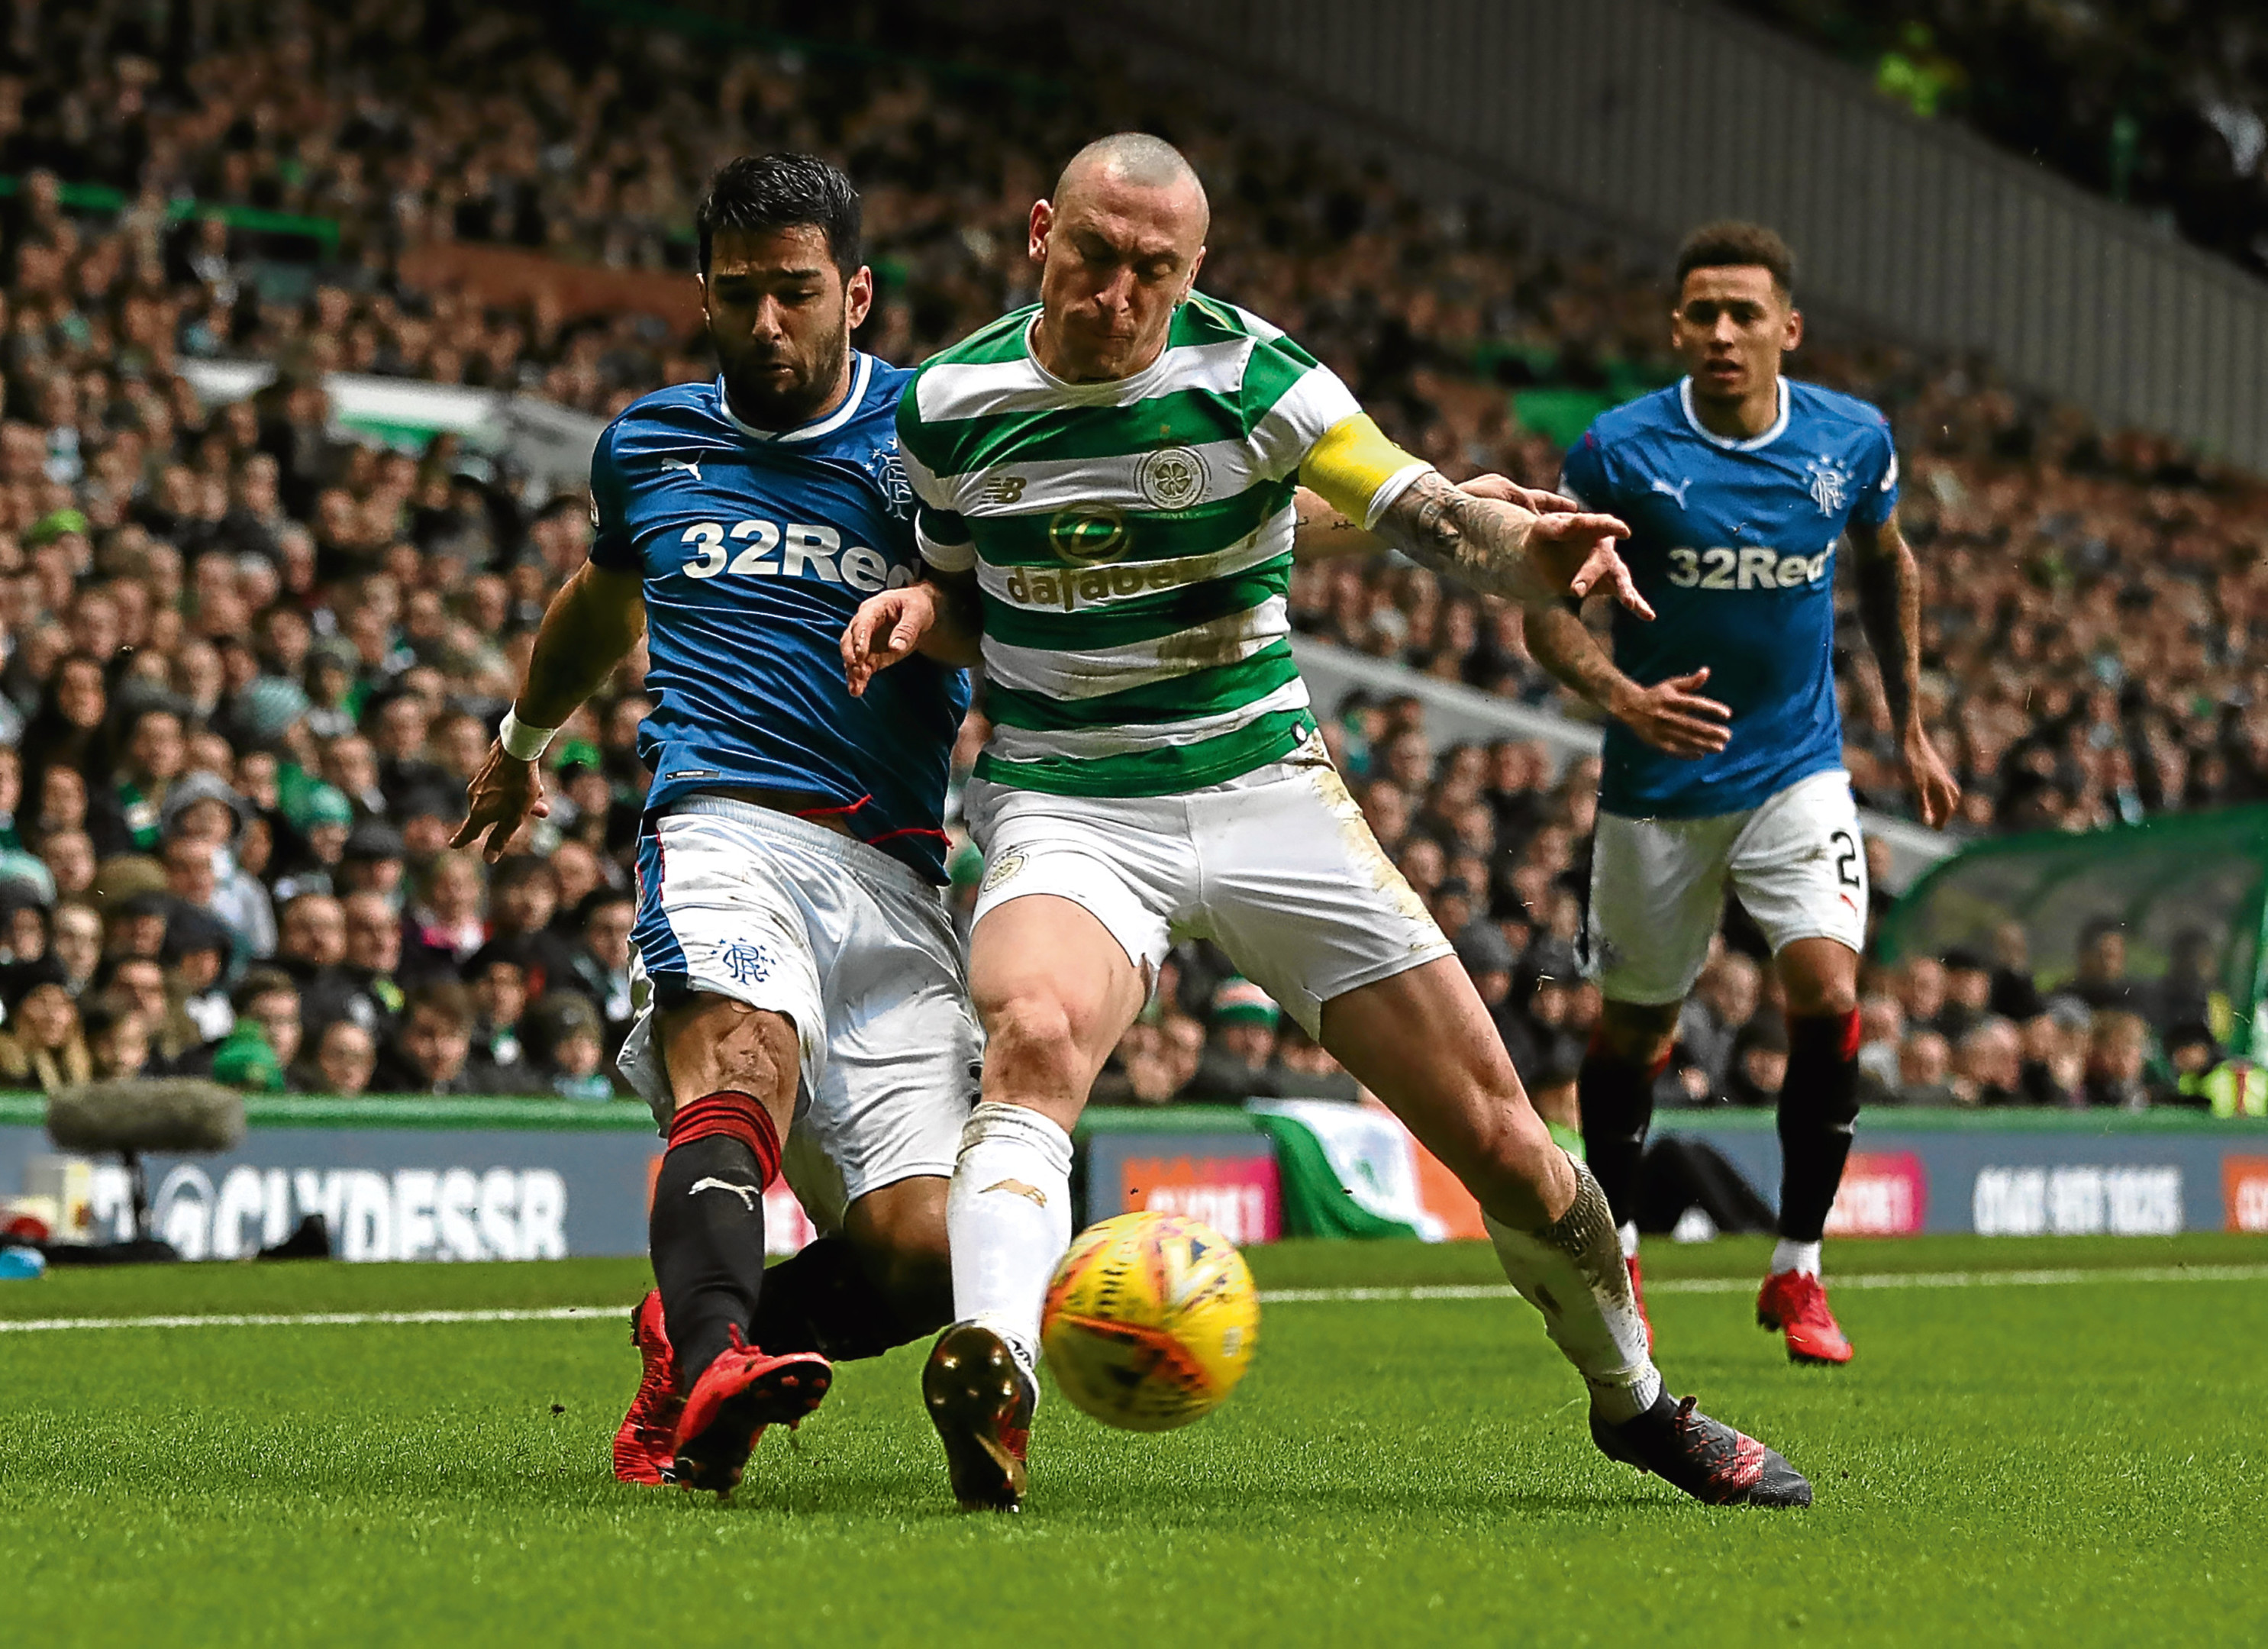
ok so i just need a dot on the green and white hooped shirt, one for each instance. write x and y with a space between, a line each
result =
1132 540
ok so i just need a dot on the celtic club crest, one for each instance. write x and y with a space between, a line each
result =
1171 478
1087 534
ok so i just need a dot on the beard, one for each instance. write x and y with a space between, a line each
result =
772 403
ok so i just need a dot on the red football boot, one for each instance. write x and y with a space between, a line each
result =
981 1400
646 1442
1705 1458
1795 1305
736 1397
1638 1298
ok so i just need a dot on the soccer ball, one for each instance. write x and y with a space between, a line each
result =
1150 1321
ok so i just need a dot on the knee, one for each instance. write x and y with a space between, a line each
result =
1638 1034
1028 1035
919 1281
1815 998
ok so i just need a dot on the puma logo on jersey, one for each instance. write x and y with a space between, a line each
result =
1677 492
746 1193
1016 1187
690 465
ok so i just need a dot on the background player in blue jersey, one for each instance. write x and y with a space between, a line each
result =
790 940
1724 763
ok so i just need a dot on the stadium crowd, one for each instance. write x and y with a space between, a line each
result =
2164 106
250 664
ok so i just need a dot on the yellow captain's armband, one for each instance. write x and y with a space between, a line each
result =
1356 470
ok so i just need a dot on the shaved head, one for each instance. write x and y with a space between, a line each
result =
1118 248
1133 160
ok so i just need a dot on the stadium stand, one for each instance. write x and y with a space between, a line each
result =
2162 107
251 661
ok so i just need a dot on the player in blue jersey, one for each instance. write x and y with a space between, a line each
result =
1724 763
798 978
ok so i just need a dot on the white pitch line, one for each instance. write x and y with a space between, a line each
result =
315 1319
1268 1296
1740 1285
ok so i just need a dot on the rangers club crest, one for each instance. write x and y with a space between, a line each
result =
1830 483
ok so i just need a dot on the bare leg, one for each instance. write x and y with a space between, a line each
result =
1055 992
1422 1042
732 1073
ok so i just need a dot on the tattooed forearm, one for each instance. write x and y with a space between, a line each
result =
1481 542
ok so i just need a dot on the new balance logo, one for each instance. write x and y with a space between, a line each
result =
1677 492
746 1193
690 465
1001 490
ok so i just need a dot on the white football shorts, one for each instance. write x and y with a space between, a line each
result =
739 901
1278 867
1797 863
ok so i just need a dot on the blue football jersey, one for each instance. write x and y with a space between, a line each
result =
1733 543
755 547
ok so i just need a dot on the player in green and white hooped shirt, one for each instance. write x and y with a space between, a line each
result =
1107 489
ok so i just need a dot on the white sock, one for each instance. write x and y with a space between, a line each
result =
1795 1256
1007 1217
1628 1231
1571 1271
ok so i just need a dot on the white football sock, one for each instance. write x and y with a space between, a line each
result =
1795 1256
1571 1271
1007 1217
1628 1231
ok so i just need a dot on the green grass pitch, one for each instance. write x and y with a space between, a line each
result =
2068 1463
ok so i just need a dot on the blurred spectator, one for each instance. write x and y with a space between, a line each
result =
2055 1056
2117 1057
2189 995
1988 1062
2101 982
75 940
1758 1064
1968 992
1881 1028
2014 994
42 1046
432 1049
1723 1002
1241 1044
258 1052
117 1038
500 995
568 1048
1925 1069
344 1058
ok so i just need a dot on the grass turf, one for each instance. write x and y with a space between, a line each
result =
2080 1462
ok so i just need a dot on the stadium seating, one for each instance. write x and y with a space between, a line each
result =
2160 107
227 623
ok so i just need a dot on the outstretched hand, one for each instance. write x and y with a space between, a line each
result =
1585 542
1672 716
885 629
503 796
1935 790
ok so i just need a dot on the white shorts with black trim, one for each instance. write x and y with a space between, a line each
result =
1796 861
853 947
1278 867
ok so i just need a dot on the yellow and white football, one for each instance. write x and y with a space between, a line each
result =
1151 1321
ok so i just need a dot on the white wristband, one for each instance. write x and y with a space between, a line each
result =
520 742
